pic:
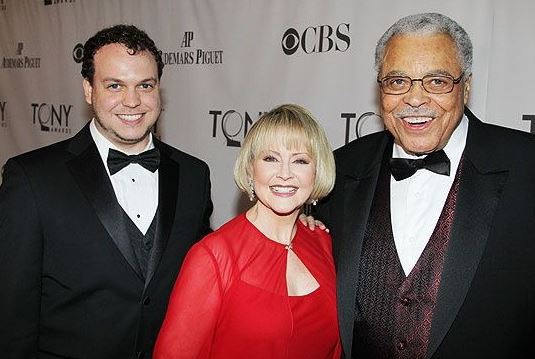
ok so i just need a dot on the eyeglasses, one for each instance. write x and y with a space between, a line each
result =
435 84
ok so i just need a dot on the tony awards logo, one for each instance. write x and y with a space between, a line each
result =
232 125
530 118
52 118
3 116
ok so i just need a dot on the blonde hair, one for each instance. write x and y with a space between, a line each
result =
289 126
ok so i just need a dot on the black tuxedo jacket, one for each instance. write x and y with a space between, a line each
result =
71 286
486 300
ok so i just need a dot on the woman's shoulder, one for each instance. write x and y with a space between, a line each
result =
225 237
317 237
219 250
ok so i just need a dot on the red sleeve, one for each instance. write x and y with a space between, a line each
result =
192 314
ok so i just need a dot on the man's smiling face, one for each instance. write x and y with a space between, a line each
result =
422 122
125 95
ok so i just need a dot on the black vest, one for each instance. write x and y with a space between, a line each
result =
142 244
395 311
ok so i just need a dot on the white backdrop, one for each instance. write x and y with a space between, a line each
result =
226 64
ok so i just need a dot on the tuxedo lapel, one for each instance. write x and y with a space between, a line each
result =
480 188
167 198
357 204
358 192
89 172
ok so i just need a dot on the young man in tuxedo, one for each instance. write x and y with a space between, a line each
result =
93 229
433 220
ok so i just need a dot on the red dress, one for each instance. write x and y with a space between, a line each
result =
231 300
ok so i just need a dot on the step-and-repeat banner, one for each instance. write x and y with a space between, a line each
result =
229 61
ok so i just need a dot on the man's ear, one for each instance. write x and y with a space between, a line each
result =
467 85
88 91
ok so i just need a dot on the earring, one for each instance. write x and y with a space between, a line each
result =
251 190
314 202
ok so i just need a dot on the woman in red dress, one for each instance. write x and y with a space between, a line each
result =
263 285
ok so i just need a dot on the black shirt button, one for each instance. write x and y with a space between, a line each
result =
405 301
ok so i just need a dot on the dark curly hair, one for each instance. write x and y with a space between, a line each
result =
134 39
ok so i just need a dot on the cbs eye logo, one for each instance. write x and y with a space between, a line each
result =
317 39
78 53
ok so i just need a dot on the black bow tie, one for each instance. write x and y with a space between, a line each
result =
117 160
437 162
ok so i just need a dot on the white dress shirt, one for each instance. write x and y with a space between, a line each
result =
136 188
416 202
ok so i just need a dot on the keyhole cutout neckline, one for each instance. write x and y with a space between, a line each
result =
299 280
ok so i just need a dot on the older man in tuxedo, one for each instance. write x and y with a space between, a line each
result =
433 220
93 229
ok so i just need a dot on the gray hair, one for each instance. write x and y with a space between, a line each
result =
428 24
